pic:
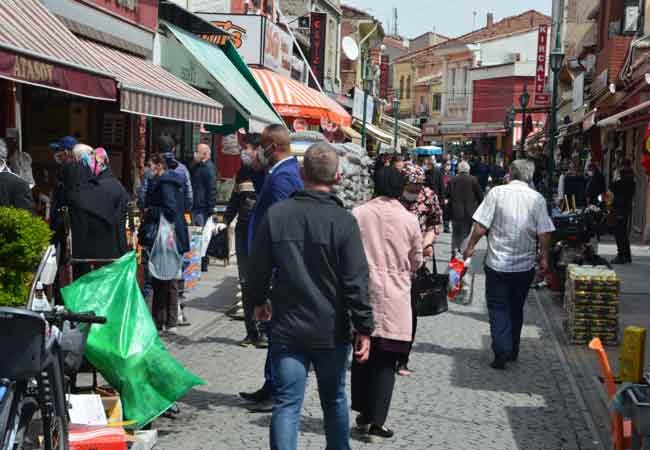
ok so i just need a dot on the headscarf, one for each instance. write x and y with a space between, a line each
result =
389 182
414 174
98 161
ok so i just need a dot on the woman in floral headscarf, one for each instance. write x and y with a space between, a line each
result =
423 202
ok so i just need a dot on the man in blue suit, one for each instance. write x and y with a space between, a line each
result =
282 179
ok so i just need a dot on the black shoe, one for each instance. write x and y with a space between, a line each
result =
255 397
265 406
381 432
621 260
499 362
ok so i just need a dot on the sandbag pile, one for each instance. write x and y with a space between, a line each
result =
356 185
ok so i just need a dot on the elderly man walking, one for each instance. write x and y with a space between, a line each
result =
310 247
515 219
464 194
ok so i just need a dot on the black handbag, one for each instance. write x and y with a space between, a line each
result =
218 246
430 293
147 233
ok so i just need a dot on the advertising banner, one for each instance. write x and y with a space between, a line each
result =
317 38
541 96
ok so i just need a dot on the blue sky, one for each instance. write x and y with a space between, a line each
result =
448 17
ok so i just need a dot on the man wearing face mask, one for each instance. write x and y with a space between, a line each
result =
282 180
241 205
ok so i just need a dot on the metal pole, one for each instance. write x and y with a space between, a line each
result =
365 103
523 132
396 125
552 141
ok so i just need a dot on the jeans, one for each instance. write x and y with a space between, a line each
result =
506 295
460 231
291 368
622 233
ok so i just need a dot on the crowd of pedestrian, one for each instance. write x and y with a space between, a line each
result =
322 287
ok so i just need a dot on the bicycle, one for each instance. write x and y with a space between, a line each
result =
32 376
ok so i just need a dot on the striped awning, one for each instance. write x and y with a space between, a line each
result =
150 90
293 99
36 48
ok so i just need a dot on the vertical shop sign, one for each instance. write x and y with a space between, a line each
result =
541 96
383 76
317 40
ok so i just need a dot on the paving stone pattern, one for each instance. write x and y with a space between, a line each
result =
453 401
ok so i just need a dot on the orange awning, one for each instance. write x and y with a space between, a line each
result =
293 99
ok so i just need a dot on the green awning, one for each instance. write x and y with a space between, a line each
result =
257 110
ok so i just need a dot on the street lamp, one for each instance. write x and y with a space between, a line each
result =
557 59
396 119
367 86
524 98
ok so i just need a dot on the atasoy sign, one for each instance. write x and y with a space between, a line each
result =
541 96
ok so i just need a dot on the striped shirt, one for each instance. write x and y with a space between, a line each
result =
515 215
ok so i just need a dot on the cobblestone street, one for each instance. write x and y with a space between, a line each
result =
453 401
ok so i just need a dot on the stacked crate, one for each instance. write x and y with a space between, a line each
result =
592 298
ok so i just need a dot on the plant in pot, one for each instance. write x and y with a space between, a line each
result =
23 240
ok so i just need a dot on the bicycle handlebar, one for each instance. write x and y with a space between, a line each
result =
85 317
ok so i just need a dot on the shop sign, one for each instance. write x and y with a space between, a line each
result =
142 12
541 96
357 110
600 82
578 92
22 68
317 38
383 76
246 34
278 49
258 40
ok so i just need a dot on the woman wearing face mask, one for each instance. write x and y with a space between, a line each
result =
241 204
424 204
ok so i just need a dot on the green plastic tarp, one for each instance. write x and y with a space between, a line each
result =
126 349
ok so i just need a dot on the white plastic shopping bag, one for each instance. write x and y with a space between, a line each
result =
165 262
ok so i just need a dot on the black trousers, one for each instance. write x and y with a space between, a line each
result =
403 358
165 303
622 233
372 385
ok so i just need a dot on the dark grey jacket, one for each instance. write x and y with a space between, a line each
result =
311 247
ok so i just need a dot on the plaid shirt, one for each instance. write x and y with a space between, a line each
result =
427 209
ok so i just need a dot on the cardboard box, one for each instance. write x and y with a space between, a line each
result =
97 438
113 409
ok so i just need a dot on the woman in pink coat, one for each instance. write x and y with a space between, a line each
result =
393 243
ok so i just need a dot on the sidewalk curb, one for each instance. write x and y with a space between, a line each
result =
569 375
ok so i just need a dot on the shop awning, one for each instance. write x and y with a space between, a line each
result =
294 99
374 131
351 133
150 90
37 49
234 85
614 120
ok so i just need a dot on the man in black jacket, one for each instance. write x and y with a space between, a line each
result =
204 185
464 194
241 204
311 248
623 189
433 177
14 191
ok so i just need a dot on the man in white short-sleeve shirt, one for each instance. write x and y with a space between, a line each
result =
515 219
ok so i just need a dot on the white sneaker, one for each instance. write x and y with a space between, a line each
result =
171 330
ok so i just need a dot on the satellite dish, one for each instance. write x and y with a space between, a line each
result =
350 48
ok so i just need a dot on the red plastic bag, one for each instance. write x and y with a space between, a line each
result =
457 270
